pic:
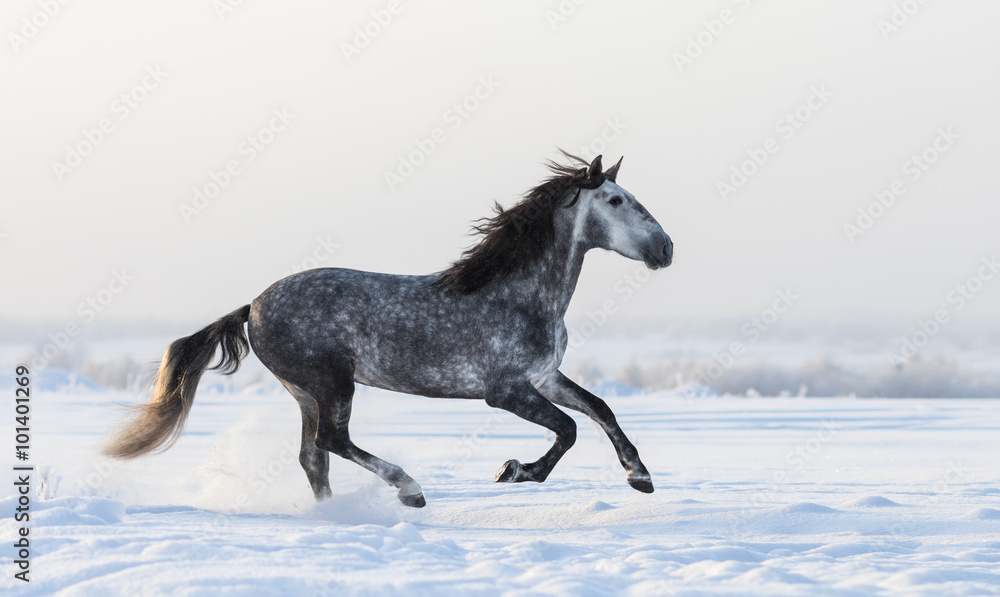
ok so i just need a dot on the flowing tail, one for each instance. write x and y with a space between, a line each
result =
158 423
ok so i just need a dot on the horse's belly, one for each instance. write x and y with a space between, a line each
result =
453 366
458 379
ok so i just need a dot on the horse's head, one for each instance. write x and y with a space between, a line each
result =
609 217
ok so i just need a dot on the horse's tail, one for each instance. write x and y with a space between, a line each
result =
158 423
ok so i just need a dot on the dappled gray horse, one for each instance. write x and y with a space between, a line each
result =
489 327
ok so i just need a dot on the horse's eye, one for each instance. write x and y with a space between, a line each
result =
616 201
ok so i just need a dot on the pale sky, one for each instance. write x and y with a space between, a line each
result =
199 88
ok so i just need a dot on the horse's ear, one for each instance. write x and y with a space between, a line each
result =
612 172
595 168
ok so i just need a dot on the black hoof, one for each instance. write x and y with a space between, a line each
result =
643 485
508 472
414 501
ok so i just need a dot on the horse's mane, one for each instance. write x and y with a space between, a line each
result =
516 237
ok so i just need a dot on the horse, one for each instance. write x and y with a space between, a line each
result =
489 327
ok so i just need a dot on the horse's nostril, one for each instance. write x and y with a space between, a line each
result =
666 250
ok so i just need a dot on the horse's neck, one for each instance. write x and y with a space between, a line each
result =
551 281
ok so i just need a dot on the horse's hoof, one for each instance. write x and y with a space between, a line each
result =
643 484
414 501
508 473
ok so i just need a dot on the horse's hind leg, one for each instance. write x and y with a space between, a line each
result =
315 461
334 401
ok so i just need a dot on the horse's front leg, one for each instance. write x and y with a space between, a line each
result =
522 399
562 391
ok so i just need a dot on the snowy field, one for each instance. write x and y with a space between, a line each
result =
754 496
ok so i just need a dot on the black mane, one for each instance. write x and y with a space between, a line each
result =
514 238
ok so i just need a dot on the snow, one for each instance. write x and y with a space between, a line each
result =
754 496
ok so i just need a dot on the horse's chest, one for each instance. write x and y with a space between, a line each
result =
549 359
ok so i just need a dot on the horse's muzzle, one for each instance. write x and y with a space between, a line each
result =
660 254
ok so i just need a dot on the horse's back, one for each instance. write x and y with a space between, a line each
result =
377 325
324 292
313 317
